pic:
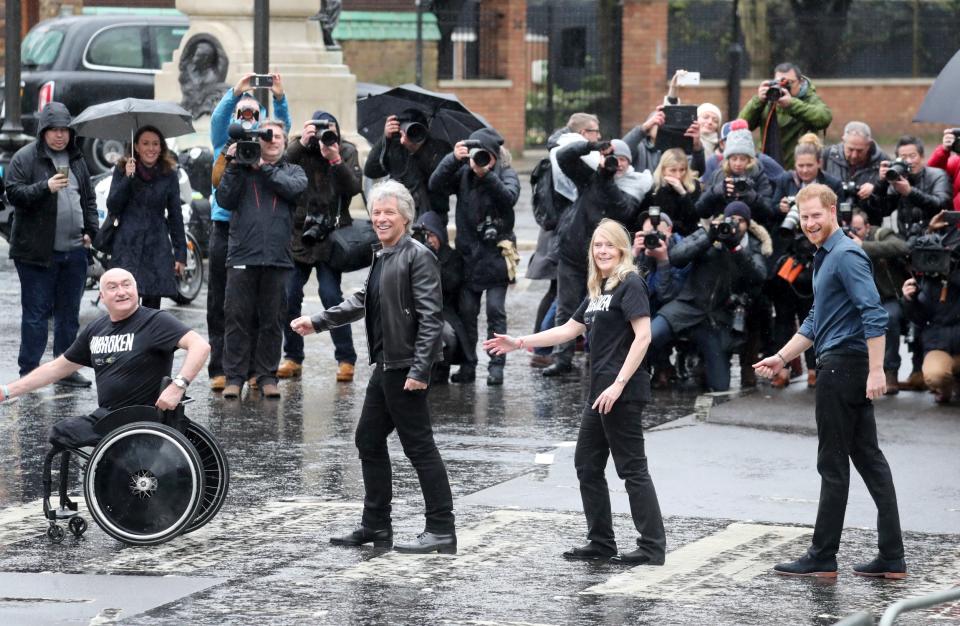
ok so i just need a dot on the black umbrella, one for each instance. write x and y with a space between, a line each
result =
120 119
940 104
449 120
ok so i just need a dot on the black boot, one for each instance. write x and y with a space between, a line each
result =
495 375
441 374
380 538
466 374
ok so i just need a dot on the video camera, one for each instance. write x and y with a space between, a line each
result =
478 154
316 228
930 255
326 133
774 88
248 143
897 170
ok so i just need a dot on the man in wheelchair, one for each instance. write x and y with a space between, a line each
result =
131 351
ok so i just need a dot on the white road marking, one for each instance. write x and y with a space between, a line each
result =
736 554
543 458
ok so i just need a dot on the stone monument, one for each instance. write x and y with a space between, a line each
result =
218 49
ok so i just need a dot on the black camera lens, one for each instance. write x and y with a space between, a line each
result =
773 92
315 229
726 228
611 164
248 152
481 157
898 169
415 131
651 241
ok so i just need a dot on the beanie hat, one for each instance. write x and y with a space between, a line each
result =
732 125
738 208
709 107
620 148
739 141
323 115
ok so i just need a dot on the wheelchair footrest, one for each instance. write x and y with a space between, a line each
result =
63 513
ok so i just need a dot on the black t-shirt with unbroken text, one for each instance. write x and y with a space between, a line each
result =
129 357
607 318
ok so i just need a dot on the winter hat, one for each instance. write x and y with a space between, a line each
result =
620 148
733 125
323 115
708 107
490 140
433 223
738 208
739 141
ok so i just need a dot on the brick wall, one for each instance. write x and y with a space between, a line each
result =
644 59
390 62
887 105
502 102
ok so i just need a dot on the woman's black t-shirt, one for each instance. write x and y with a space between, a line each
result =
607 318
129 357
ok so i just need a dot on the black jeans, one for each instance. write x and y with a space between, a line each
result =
619 433
847 430
571 290
387 407
496 319
253 315
216 289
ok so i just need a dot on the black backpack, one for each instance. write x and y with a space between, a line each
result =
544 208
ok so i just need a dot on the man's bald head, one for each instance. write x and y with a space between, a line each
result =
118 292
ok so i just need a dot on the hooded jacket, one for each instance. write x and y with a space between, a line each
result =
261 204
389 158
494 196
807 114
35 206
330 188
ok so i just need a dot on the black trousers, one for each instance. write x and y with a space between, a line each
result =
847 430
254 308
216 289
387 407
619 433
496 319
571 290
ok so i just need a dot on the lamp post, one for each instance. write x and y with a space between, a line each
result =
735 54
11 133
261 46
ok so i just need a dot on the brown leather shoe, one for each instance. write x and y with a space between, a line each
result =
781 379
345 372
811 379
231 391
796 367
893 387
270 391
541 361
217 383
914 382
289 369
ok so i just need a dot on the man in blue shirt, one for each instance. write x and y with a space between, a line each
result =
846 326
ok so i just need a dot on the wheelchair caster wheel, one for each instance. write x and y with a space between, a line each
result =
78 526
55 533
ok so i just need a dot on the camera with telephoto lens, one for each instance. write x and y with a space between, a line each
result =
774 87
845 213
316 228
488 231
326 133
930 256
248 143
478 154
791 221
414 130
726 232
897 170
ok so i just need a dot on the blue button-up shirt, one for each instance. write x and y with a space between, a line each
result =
846 307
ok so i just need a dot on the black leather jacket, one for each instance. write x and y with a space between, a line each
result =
410 308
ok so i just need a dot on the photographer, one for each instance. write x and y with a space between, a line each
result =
914 191
261 197
675 190
933 303
785 109
771 168
947 158
607 187
739 177
856 162
334 178
237 106
409 154
725 263
888 254
487 189
430 231
664 281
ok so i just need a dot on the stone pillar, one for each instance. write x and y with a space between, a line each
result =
313 78
644 59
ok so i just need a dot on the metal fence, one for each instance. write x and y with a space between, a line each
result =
840 39
469 46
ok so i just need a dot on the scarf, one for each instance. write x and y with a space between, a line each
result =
148 173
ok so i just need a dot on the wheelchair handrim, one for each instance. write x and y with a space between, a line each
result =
216 472
106 518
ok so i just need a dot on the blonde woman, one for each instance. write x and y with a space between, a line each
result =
676 191
616 317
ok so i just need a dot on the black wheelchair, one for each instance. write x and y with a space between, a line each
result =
151 475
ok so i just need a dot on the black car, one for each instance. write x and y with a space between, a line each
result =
88 59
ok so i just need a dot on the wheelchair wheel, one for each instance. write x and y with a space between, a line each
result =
144 483
216 474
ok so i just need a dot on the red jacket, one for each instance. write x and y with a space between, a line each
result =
949 161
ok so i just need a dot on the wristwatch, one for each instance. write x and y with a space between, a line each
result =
181 382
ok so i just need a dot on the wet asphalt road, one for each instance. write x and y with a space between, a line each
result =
296 480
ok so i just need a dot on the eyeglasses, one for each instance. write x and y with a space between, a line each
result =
592 130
